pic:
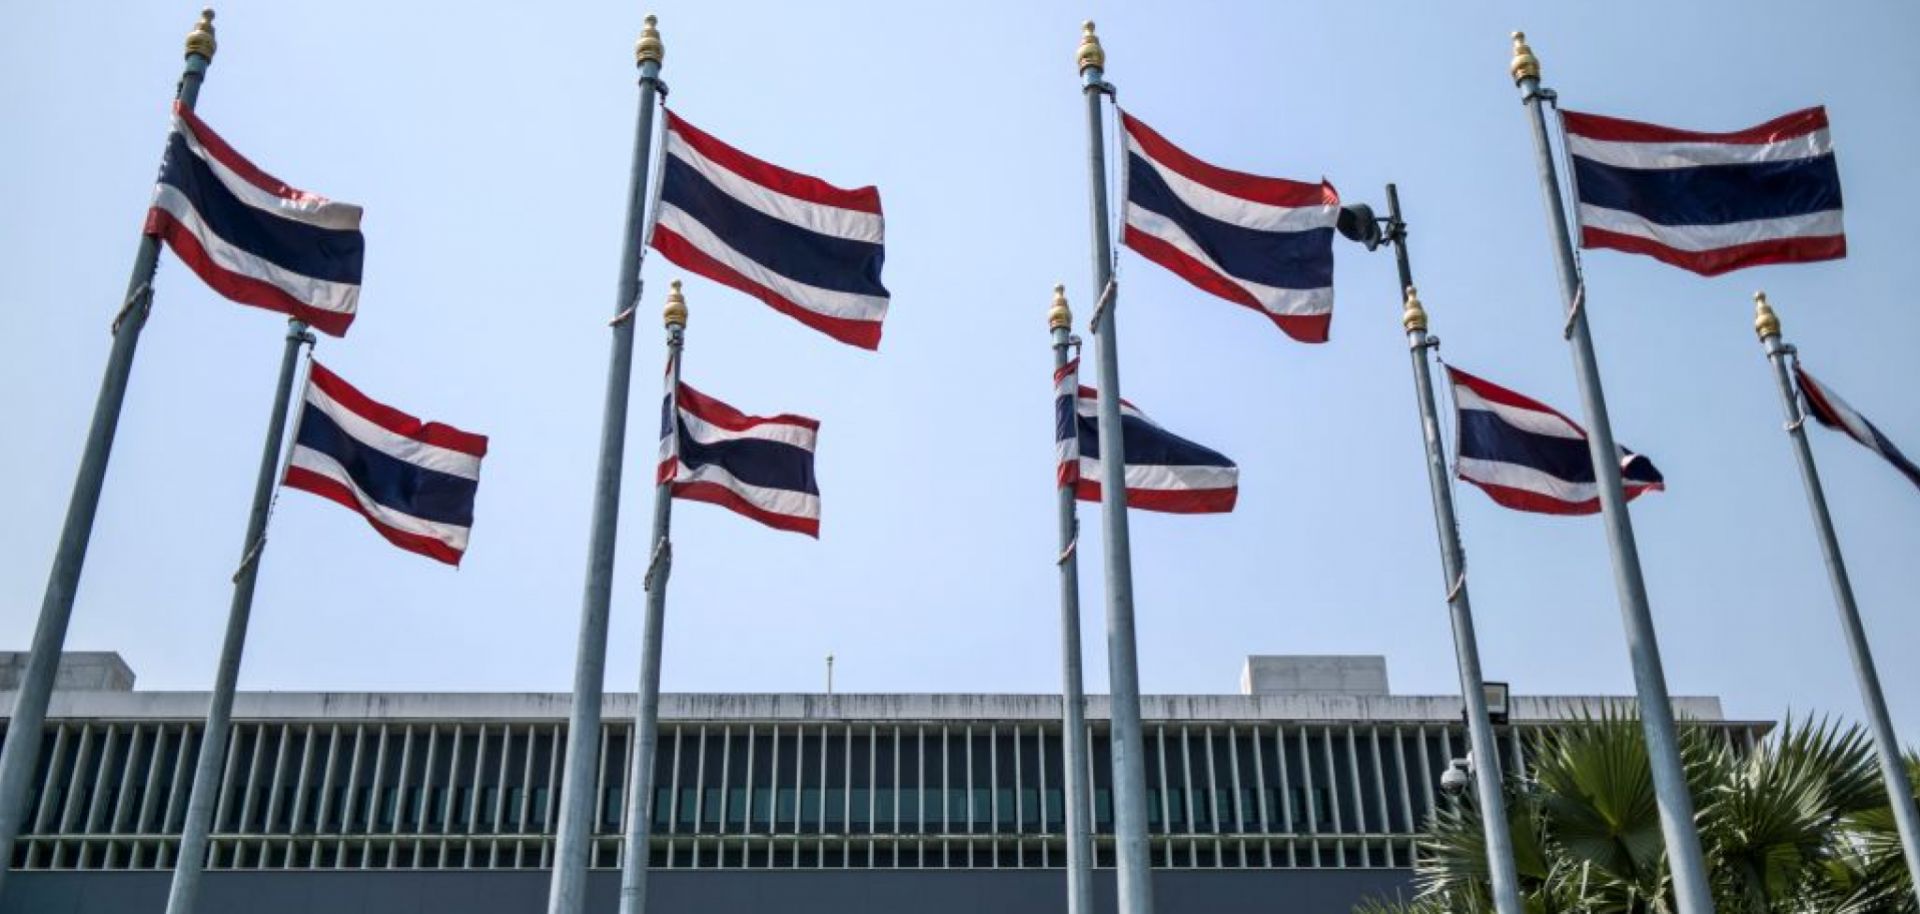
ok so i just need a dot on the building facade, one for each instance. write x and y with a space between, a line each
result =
1302 794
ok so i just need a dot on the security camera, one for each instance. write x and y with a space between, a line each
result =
1455 779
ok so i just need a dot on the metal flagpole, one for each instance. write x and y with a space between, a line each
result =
21 751
1129 772
1453 563
1899 790
572 841
1690 887
646 726
191 860
1073 699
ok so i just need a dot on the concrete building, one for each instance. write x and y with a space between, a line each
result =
1303 794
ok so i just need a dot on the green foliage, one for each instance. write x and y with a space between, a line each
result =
1798 825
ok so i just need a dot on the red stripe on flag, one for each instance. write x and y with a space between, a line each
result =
251 173
1536 503
1501 395
243 289
720 414
1258 188
715 494
864 334
1721 260
767 174
1307 328
1167 501
438 434
1784 127
332 490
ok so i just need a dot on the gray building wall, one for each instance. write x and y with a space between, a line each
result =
683 892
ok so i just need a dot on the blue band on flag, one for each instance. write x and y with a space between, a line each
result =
754 461
389 481
309 250
802 255
1712 194
1283 260
1149 445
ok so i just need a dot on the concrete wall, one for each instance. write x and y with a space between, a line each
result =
691 892
79 670
553 706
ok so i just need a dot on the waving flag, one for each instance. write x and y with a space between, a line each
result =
1266 243
1826 407
1527 456
808 249
1709 202
1165 472
252 238
757 466
413 481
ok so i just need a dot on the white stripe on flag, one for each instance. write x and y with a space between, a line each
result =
312 209
1713 237
850 224
1294 302
1691 155
1233 210
399 447
320 464
774 501
706 432
1526 420
1527 479
1160 478
337 297
846 305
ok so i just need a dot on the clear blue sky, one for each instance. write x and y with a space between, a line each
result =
491 147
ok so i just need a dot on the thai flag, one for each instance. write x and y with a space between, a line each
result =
413 481
1529 457
1834 413
1266 243
1165 472
757 466
1708 202
251 237
810 250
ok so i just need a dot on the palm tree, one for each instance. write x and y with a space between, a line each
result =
1797 825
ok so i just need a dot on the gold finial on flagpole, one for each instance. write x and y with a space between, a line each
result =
676 311
650 47
1524 63
1090 53
1059 316
200 40
1765 322
1415 317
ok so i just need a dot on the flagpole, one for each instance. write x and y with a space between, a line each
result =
1899 790
573 838
190 862
1690 887
1453 564
1073 717
646 727
1129 773
21 751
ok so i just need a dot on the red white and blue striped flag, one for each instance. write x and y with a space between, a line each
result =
1709 202
810 250
1527 456
1265 243
250 236
760 467
1829 410
1165 472
413 481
